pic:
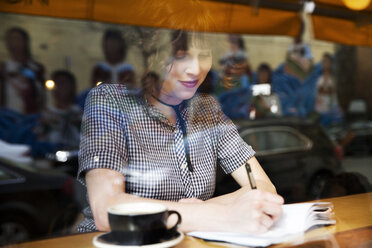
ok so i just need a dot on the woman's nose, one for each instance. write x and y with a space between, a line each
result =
193 67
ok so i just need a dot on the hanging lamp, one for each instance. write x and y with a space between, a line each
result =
356 4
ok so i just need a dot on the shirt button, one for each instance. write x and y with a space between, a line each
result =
96 159
183 166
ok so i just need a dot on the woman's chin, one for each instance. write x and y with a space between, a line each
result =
187 95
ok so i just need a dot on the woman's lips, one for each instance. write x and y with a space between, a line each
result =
189 84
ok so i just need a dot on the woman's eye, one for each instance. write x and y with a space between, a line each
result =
204 56
180 54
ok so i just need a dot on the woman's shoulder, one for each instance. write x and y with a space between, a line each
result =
116 93
112 90
204 100
204 104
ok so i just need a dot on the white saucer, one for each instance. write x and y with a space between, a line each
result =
165 244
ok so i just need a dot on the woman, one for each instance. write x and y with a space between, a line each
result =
162 145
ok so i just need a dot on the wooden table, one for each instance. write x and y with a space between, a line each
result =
353 229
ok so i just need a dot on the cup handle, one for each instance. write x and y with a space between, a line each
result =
173 229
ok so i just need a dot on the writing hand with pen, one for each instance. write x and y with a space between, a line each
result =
255 207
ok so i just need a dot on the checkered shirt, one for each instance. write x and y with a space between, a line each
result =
122 132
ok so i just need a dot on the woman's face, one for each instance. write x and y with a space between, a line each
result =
185 74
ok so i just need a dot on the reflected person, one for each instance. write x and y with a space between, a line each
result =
114 69
162 145
60 121
21 77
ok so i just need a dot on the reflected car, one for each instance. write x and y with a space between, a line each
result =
298 156
34 202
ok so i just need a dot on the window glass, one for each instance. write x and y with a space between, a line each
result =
292 102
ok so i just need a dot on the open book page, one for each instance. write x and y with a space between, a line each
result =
296 219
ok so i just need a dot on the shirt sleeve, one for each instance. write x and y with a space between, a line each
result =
103 143
232 150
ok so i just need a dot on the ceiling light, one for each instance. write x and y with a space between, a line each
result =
356 4
49 84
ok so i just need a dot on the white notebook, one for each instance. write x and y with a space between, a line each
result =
295 220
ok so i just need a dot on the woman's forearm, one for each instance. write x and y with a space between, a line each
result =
266 186
244 210
263 182
195 215
105 188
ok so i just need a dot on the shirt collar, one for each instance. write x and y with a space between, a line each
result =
153 112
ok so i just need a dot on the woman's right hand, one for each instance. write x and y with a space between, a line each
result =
252 211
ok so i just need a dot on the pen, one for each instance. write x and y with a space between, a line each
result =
251 180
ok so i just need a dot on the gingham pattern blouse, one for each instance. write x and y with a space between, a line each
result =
122 132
